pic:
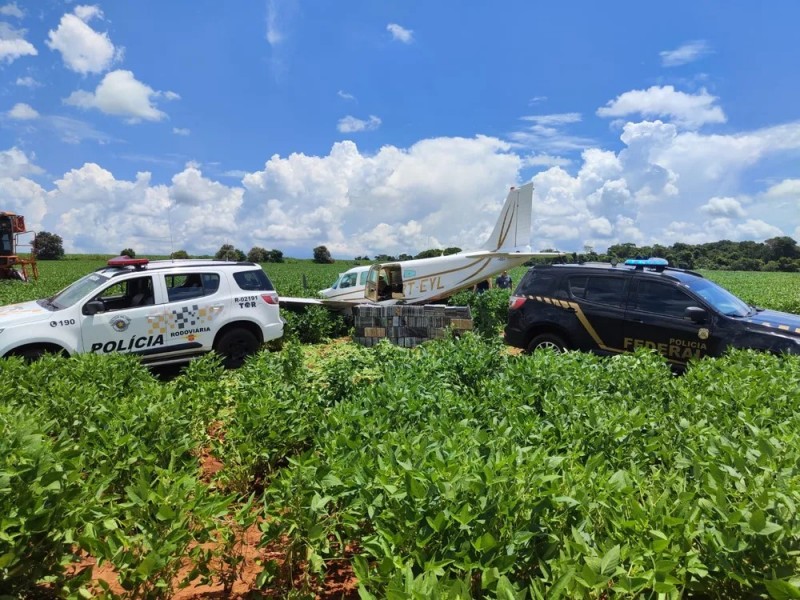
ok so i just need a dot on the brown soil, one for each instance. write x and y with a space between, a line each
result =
339 582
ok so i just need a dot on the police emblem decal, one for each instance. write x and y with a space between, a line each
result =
702 333
120 323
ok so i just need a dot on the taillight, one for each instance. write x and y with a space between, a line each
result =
270 298
515 302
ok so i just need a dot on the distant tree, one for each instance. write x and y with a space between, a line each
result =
405 256
228 252
385 258
451 250
48 246
257 254
322 256
274 256
788 265
430 253
179 254
782 247
623 251
128 252
747 264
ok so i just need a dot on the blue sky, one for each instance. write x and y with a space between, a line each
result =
376 127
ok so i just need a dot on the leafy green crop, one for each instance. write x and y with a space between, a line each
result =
451 470
560 475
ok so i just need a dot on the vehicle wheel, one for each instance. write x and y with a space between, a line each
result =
235 346
32 354
547 341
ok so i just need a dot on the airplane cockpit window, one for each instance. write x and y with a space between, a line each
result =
348 280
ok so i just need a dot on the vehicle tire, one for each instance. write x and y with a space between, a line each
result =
547 341
34 353
235 346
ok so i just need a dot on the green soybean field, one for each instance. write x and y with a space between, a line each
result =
453 470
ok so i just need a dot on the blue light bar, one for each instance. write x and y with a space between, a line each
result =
647 262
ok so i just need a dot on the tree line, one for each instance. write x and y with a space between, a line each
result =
775 254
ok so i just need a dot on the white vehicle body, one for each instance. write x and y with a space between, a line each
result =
430 279
163 311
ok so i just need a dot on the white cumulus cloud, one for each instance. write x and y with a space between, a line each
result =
83 49
88 12
96 208
13 44
350 124
120 94
399 33
441 191
11 10
15 163
181 131
687 110
28 82
18 193
23 112
664 185
686 53
723 207
788 188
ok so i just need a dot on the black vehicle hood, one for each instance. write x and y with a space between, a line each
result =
780 321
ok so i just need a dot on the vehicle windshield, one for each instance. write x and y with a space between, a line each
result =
718 297
78 290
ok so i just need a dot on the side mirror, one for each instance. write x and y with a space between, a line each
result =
93 307
696 314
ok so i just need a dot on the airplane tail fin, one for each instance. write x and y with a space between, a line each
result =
512 233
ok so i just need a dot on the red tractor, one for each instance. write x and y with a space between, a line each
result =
12 227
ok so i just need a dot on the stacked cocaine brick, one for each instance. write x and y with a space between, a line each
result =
408 326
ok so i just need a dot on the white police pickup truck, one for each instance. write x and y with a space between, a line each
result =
162 311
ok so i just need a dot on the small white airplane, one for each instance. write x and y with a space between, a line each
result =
425 280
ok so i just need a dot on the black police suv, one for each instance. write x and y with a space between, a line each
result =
611 309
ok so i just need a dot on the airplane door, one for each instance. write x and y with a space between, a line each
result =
382 282
371 291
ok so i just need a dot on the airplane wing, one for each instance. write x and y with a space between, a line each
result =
288 301
298 304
